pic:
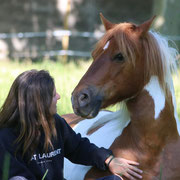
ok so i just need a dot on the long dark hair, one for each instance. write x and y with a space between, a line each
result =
26 109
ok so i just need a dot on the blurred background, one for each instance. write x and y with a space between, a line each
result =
37 29
59 35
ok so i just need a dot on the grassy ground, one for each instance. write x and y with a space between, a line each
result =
66 78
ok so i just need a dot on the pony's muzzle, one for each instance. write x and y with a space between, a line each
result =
86 103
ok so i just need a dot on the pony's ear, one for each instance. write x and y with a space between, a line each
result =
144 28
107 24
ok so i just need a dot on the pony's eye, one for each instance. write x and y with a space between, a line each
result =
119 57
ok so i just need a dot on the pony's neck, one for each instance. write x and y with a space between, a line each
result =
153 112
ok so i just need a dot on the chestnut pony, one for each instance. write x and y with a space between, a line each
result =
132 66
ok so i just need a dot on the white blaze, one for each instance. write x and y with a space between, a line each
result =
106 45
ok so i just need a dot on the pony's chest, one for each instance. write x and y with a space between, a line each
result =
103 136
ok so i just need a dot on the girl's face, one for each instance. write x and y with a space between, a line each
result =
53 107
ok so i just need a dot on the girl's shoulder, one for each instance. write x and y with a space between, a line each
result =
7 133
7 138
60 123
62 126
58 119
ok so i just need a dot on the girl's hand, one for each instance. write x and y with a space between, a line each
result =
121 166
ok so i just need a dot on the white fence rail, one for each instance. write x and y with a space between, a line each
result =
58 33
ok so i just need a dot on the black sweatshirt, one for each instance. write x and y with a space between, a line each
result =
68 144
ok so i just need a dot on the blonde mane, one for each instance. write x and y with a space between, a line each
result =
160 59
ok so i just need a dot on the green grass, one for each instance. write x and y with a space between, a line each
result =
66 78
6 165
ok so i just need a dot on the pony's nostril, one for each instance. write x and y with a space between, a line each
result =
83 99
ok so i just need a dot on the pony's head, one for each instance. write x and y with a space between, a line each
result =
124 60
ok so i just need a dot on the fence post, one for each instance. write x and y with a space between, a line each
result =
65 39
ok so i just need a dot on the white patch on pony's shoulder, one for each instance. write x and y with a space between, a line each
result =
106 45
156 92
